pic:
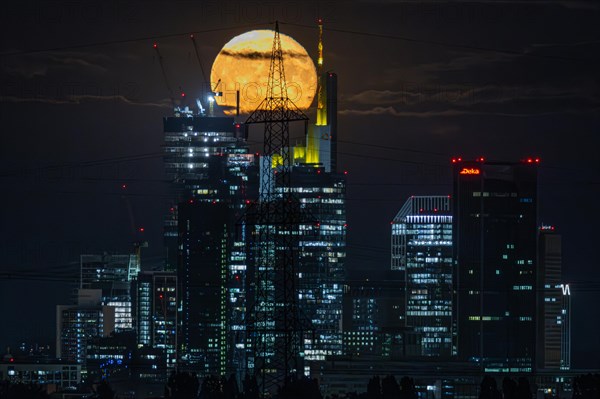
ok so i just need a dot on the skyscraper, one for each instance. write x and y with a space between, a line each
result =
554 310
155 302
495 232
113 274
422 248
215 176
194 145
76 324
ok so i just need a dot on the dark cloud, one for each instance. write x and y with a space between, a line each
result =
260 55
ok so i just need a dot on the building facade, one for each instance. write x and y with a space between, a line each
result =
495 252
155 303
422 249
554 300
113 275
76 324
215 177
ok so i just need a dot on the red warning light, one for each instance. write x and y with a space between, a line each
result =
155 45
529 160
191 201
237 125
453 160
247 202
481 159
12 360
141 229
123 186
435 209
319 171
161 296
537 160
345 172
237 276
182 94
191 35
345 224
320 21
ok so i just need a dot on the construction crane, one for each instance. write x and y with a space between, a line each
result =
164 73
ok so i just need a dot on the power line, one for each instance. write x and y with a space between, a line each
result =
123 41
447 44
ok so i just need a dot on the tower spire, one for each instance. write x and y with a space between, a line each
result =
321 100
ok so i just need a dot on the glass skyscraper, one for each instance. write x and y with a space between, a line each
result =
422 248
554 304
495 252
113 274
155 302
215 176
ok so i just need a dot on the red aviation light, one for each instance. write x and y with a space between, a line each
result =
155 45
123 186
537 160
191 35
345 224
453 160
142 229
345 172
182 94
191 201
481 159
247 202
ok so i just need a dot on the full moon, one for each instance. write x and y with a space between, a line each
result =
243 64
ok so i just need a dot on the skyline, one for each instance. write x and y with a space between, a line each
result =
444 97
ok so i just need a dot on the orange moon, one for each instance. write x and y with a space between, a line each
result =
243 64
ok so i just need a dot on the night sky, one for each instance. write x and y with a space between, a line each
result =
82 100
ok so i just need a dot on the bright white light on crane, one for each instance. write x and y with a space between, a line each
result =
190 165
211 99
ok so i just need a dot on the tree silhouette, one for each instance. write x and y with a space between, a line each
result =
104 391
390 388
407 388
489 388
509 388
374 388
524 389
182 385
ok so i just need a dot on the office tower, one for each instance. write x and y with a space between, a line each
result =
193 144
76 324
373 320
553 329
110 357
155 302
422 248
215 176
321 193
113 275
321 255
494 234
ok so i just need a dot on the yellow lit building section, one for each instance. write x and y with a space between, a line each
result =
276 160
314 137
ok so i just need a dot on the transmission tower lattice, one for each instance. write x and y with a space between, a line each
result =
273 324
